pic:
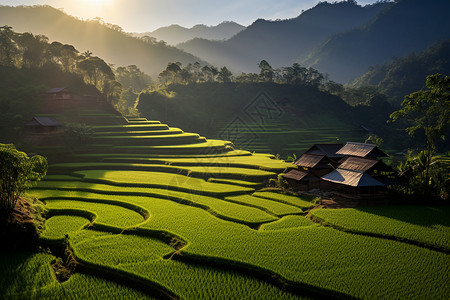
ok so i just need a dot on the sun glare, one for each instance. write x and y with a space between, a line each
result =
98 2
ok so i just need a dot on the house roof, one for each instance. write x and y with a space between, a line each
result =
57 90
351 178
361 164
44 121
296 174
309 160
361 150
329 150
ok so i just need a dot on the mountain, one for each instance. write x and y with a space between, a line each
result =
403 76
406 27
104 40
175 34
281 42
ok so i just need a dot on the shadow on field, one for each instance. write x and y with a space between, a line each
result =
426 216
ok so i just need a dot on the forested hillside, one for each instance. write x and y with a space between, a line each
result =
104 40
405 75
30 66
406 27
281 42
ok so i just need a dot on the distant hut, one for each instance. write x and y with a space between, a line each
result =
43 125
58 94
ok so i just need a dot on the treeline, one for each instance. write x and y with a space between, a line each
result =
28 51
38 64
196 73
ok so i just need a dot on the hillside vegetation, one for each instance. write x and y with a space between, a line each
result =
282 41
262 117
405 75
103 40
405 27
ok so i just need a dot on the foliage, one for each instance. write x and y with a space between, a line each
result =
374 139
19 172
78 133
427 111
405 75
132 77
425 175
31 52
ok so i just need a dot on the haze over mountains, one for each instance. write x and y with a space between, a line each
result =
113 46
342 39
175 34
406 27
282 42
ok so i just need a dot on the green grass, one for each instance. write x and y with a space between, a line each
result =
374 267
276 208
244 183
194 171
288 222
56 227
219 208
304 202
257 161
29 276
163 180
235 242
108 214
422 224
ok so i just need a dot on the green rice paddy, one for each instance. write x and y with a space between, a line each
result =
189 221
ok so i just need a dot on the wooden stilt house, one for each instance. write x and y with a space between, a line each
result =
360 173
317 161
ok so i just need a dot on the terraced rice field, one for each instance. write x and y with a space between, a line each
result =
145 223
278 136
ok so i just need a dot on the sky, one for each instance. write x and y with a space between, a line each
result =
148 15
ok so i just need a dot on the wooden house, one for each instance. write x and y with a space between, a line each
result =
360 174
317 161
43 125
58 94
353 170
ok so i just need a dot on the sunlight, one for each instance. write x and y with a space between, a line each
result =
98 2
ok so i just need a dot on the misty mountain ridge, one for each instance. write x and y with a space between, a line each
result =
405 27
282 42
114 46
402 76
176 34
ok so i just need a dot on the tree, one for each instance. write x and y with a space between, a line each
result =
427 111
266 71
224 75
19 172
